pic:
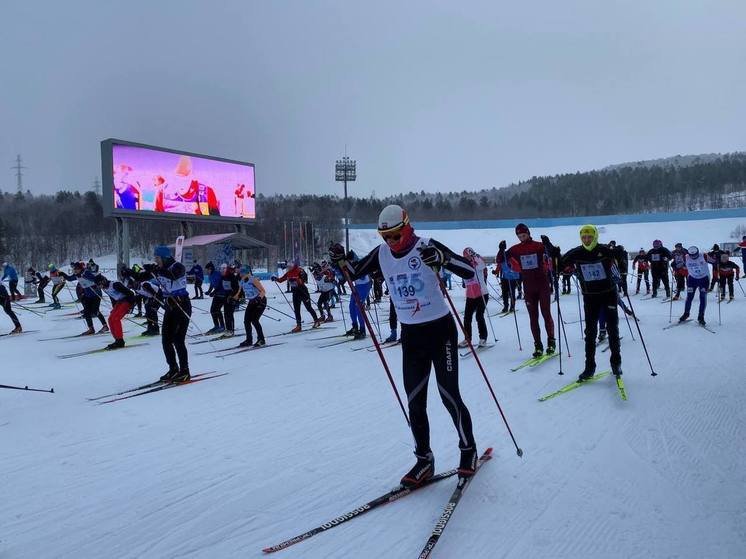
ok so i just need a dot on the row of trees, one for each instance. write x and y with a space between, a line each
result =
70 225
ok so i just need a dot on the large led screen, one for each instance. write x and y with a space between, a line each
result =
166 183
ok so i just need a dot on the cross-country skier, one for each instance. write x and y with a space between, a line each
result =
151 296
567 273
41 282
122 300
476 297
509 279
9 273
598 276
713 257
171 276
199 276
363 285
90 296
58 282
324 276
698 278
742 246
218 295
428 336
256 302
529 258
659 257
678 266
643 266
297 278
232 289
728 269
5 300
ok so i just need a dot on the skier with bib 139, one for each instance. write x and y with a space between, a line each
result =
429 338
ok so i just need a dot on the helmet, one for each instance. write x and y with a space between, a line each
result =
393 222
657 243
245 270
162 251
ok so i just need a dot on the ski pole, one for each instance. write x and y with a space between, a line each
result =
741 286
580 312
285 297
9 387
637 323
720 293
670 300
519 451
515 316
24 307
562 326
361 308
378 323
342 310
628 324
487 311
280 312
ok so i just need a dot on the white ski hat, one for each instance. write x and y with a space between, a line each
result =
391 218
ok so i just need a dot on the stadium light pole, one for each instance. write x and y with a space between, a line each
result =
346 170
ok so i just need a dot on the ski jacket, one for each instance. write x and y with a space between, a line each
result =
596 269
530 259
197 272
659 258
216 284
294 277
87 283
117 291
503 268
729 268
742 246
678 262
476 287
621 257
641 261
9 272
172 279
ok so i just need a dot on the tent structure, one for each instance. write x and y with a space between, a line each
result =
227 247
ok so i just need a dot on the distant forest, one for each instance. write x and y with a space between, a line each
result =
68 225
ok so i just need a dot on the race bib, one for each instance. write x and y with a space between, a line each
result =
529 261
593 272
406 286
226 285
655 257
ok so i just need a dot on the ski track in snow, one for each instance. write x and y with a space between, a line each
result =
295 436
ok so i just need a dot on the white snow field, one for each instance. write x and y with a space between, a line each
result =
296 435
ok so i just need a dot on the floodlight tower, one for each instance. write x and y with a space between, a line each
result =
346 171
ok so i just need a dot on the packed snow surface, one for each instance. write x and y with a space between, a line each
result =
296 435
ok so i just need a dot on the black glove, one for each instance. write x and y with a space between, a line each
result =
336 253
503 245
545 239
432 256
273 278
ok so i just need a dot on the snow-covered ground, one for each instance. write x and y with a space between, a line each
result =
296 435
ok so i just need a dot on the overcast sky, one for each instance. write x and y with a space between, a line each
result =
426 95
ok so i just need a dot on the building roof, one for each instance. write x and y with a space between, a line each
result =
236 240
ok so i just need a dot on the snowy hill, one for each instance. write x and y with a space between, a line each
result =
295 435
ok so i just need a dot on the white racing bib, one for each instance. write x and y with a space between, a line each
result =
114 294
655 257
414 287
593 272
697 267
529 262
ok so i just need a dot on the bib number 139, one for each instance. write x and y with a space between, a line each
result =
407 285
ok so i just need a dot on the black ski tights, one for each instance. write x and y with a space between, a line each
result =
174 331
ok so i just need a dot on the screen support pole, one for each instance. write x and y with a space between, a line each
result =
186 229
123 243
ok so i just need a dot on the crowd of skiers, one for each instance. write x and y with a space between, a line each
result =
416 273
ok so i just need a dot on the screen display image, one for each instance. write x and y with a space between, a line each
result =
148 179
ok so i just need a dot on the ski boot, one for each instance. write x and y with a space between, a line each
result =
351 332
468 464
182 376
505 310
601 336
260 343
586 375
316 323
616 369
551 346
104 329
463 343
246 343
684 317
169 375
676 297
116 344
16 330
538 350
391 339
421 471
329 318
730 298
227 334
482 342
360 335
89 332
56 306
296 329
213 330
701 321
